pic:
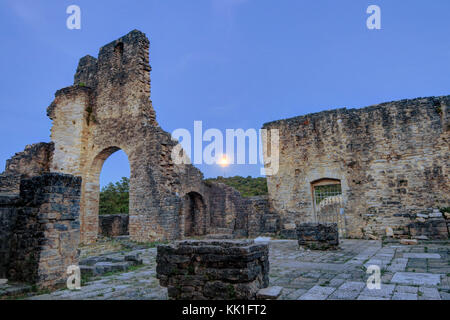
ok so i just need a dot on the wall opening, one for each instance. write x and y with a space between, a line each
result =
114 196
194 215
118 54
328 203
100 214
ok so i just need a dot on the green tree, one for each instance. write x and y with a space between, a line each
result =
114 197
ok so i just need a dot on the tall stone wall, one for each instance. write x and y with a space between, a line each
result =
391 160
109 109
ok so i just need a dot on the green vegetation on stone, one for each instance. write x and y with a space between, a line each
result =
248 187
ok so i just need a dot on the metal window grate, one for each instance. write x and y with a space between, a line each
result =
326 191
329 205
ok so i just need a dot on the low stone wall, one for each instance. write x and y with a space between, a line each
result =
45 229
213 270
113 225
318 236
428 224
434 229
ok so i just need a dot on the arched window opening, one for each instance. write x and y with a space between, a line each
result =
328 202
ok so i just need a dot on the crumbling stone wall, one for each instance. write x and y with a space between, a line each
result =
228 210
33 161
107 109
41 229
261 220
199 270
391 159
113 225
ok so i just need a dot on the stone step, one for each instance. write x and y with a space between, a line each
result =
270 293
219 236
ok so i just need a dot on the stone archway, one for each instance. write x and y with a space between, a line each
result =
194 215
90 197
109 108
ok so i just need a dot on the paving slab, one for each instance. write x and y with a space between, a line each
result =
385 291
414 278
363 297
422 255
270 293
404 296
427 293
406 289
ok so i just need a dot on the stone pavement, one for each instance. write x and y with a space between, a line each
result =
420 272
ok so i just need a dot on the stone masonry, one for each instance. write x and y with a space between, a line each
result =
318 236
107 109
113 225
40 230
198 270
391 161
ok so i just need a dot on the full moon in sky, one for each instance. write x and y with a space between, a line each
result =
223 161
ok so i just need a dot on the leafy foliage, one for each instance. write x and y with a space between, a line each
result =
114 198
248 187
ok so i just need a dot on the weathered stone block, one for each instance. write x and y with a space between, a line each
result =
113 225
318 236
432 228
213 269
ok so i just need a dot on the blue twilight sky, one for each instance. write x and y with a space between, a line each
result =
229 63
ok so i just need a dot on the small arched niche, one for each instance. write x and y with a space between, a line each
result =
194 215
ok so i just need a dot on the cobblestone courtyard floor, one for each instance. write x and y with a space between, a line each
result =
420 272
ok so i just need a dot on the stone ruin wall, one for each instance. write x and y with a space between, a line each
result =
40 230
108 108
113 225
33 161
392 161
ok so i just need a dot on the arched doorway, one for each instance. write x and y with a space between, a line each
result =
90 199
194 215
